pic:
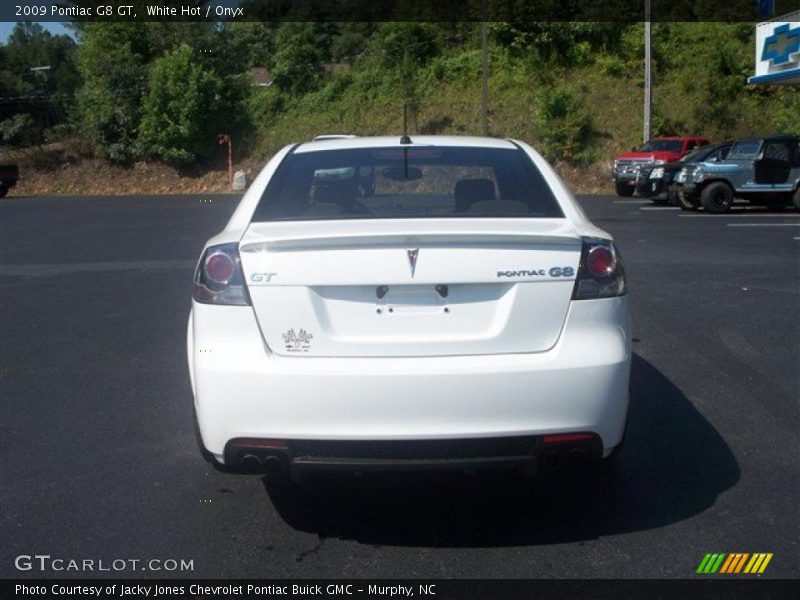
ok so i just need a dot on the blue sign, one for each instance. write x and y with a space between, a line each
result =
779 46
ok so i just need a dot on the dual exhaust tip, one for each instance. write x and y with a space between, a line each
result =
271 464
556 460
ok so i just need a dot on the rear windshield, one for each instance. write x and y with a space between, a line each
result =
662 146
407 182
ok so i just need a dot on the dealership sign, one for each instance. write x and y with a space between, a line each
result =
778 50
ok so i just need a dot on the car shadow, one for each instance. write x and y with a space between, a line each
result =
674 466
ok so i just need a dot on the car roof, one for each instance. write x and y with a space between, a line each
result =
773 137
714 146
678 137
462 141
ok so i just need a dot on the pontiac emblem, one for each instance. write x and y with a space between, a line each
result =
412 259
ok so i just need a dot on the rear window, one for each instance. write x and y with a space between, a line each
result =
407 182
662 146
745 148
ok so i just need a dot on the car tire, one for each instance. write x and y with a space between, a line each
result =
686 203
623 189
717 197
796 199
3 190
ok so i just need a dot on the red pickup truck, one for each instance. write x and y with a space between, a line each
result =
657 151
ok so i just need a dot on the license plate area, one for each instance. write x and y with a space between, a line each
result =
411 299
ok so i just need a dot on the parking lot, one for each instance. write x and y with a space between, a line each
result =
98 458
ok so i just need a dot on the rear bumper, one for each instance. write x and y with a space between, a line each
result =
302 456
242 390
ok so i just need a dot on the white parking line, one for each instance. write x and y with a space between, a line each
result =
631 201
741 214
763 224
660 208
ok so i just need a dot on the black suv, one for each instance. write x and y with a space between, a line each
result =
654 181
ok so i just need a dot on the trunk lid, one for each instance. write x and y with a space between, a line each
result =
424 287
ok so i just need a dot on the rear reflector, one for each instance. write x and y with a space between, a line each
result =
560 438
220 268
600 261
259 443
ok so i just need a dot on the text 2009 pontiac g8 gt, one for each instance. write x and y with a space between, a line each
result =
393 302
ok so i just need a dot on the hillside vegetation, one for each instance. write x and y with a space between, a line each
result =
158 91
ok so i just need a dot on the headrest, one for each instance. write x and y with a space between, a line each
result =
469 191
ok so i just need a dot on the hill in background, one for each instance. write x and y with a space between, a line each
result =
160 93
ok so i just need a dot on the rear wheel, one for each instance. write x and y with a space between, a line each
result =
796 199
3 190
717 197
623 189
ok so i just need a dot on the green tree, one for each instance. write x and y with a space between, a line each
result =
297 64
45 95
113 61
185 108
351 41
253 42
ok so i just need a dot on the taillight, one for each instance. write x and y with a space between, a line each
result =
600 261
219 278
600 273
219 268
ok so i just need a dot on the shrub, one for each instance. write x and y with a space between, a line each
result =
184 109
19 130
264 106
565 125
112 61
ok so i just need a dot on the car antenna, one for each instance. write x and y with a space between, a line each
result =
405 139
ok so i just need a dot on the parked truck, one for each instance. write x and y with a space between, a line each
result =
658 151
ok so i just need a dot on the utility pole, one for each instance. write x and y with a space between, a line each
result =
224 138
648 74
485 60
43 72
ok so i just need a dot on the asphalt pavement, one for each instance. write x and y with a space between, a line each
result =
98 458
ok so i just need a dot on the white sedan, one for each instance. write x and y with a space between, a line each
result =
423 302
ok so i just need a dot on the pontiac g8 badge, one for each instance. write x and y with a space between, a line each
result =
412 259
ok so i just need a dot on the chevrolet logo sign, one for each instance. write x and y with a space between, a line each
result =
781 45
